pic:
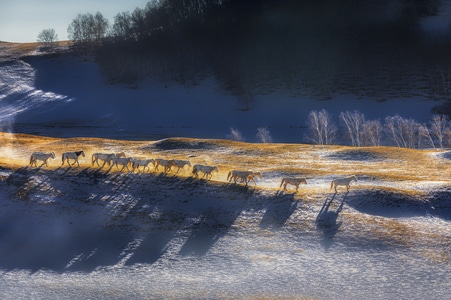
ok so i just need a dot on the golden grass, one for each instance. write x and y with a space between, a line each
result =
18 50
391 164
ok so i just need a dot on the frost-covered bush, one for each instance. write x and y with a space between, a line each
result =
263 135
235 135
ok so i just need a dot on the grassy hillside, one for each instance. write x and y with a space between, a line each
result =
204 236
10 51
376 167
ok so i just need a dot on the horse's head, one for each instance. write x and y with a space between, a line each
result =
354 178
304 181
216 169
258 174
53 154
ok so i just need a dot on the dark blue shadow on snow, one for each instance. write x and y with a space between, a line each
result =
326 221
97 219
394 205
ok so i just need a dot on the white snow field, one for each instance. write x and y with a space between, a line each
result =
89 233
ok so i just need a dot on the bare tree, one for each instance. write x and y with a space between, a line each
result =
403 132
263 135
48 38
439 128
424 134
372 132
87 32
122 26
322 129
353 121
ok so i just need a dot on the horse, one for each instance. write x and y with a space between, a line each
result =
123 161
180 164
342 181
72 155
138 162
35 156
293 181
106 157
120 154
245 176
252 177
166 164
207 170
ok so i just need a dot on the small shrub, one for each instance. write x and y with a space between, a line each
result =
235 135
263 135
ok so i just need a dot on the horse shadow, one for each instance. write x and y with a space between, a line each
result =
100 219
326 221
278 210
207 231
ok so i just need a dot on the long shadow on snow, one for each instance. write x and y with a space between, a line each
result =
218 208
394 205
97 219
278 210
326 221
61 235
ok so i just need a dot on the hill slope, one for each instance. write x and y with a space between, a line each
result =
63 96
83 230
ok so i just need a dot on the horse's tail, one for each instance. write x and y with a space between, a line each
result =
63 157
31 159
194 169
229 175
93 157
331 184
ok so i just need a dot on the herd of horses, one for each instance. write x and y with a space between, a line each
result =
120 159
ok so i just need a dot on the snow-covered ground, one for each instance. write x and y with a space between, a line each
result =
69 234
84 233
63 96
